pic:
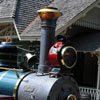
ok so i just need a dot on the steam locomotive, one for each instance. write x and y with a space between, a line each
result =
46 83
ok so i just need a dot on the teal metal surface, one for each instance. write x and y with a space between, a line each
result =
8 80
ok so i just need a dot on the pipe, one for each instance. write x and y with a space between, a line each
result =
48 17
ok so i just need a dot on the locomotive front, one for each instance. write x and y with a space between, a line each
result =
44 85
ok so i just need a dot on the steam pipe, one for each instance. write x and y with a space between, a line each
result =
48 17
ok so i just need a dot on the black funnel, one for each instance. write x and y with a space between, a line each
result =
48 17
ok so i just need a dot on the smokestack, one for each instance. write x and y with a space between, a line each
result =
48 17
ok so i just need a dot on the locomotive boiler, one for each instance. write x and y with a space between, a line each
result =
43 84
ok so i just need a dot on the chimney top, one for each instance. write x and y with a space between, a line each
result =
49 13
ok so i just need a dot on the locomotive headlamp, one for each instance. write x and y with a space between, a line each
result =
68 57
62 55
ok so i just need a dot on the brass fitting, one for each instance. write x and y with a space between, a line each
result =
49 13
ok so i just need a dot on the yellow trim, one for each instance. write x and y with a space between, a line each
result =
49 9
71 96
17 84
14 69
62 54
3 75
49 13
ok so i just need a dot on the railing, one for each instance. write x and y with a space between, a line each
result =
90 91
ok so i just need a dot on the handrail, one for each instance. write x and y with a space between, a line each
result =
90 91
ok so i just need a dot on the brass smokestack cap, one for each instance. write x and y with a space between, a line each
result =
49 13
